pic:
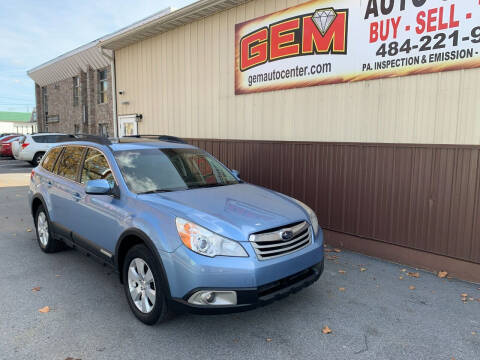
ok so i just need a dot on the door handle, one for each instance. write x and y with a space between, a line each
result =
49 183
76 196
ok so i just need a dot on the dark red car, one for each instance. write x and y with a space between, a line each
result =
6 145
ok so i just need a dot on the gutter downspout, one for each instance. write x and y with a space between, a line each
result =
114 90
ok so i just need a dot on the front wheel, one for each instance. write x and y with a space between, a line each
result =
144 286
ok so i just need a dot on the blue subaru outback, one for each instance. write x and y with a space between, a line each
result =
183 231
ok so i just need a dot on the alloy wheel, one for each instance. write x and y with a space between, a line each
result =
141 285
42 228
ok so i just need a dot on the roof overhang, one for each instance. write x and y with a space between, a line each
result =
155 25
69 64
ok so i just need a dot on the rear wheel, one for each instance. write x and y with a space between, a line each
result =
45 239
144 286
37 158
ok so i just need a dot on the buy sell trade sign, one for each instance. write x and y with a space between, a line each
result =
332 41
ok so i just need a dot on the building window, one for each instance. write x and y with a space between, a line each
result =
103 130
45 100
102 86
76 90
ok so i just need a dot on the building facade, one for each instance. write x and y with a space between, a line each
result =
74 93
391 166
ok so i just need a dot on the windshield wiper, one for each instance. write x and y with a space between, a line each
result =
159 191
196 186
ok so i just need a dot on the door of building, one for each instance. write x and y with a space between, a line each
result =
127 125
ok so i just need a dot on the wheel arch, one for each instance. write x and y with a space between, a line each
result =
37 201
127 240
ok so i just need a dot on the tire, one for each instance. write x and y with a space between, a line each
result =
37 158
45 238
138 286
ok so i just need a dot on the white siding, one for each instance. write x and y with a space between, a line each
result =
183 84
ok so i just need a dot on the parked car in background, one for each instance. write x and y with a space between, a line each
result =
4 135
8 137
6 146
31 148
183 231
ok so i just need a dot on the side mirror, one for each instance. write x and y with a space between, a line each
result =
236 173
99 187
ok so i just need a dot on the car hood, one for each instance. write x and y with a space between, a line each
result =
234 211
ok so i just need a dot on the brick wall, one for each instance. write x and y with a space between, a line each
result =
61 104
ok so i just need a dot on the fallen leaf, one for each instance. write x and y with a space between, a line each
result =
363 269
442 274
341 289
401 277
268 339
29 230
342 271
413 274
333 257
404 270
411 287
36 288
328 250
58 275
471 299
326 330
44 310
474 333
337 250
464 295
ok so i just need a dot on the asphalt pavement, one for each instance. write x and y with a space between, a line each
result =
374 309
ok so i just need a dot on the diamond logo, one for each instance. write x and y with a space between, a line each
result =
323 19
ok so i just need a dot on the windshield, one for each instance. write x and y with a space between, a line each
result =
159 170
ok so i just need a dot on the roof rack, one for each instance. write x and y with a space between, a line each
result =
167 138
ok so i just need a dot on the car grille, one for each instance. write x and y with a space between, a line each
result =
270 244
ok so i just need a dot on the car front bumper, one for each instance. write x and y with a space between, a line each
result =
250 298
188 273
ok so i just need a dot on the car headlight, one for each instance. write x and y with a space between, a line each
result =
311 215
205 242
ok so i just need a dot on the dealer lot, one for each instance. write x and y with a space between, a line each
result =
373 314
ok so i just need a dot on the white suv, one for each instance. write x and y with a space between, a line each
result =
31 148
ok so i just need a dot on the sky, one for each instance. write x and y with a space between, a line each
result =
35 31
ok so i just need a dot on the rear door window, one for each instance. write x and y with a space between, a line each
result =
39 138
96 167
49 161
69 162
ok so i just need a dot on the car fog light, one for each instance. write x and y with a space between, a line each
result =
212 297
208 297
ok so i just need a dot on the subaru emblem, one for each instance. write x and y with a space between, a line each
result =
287 235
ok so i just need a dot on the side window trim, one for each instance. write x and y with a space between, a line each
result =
82 164
55 169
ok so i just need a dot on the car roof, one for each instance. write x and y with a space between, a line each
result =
134 145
